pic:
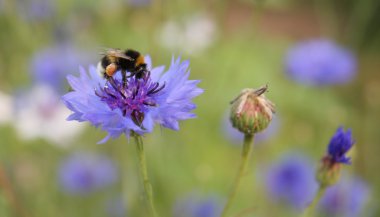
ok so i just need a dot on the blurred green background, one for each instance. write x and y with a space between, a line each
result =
231 45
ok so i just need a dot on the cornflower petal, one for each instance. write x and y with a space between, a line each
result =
339 145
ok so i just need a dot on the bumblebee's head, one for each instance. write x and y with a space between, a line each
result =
141 71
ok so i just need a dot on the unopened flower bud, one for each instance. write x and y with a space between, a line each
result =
251 111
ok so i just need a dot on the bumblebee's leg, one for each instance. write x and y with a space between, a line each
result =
124 77
107 80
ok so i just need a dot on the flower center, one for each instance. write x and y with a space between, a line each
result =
132 98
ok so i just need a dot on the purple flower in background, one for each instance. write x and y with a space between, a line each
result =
194 205
237 137
158 98
320 62
82 173
291 181
347 198
339 145
50 66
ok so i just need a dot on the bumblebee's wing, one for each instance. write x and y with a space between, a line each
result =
103 50
115 52
121 55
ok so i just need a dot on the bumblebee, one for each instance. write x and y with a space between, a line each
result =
127 61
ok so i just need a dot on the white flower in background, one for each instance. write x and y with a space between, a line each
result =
192 36
41 114
5 108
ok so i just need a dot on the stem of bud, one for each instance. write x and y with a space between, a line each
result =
246 152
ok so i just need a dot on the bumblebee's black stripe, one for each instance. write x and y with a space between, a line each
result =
132 53
129 65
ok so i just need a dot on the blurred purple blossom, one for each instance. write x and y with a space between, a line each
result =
236 137
51 65
291 181
195 205
320 62
347 198
84 172
157 98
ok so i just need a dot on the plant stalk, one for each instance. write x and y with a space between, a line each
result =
245 156
311 210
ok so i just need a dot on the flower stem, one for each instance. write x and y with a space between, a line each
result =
144 174
246 152
311 210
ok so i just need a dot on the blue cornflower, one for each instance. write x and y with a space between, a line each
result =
320 62
291 181
162 98
339 145
195 205
329 169
84 172
347 198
